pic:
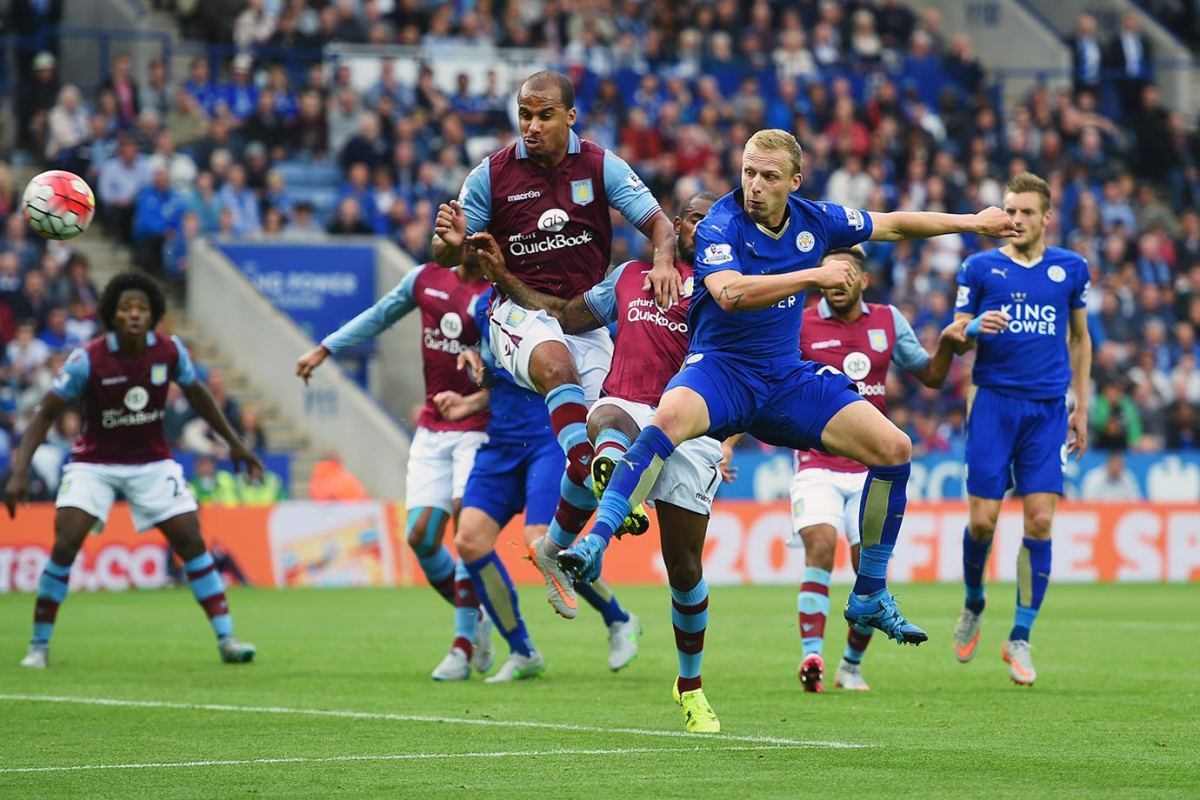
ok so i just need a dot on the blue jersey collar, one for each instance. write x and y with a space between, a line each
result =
825 312
573 146
114 345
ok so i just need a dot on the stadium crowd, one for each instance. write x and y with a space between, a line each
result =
894 112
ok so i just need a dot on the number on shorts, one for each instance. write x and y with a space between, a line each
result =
174 485
712 487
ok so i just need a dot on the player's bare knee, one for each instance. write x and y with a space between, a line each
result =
68 539
471 545
896 449
685 573
981 528
416 537
1038 523
820 545
550 373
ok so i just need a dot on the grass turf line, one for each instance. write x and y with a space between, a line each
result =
1113 714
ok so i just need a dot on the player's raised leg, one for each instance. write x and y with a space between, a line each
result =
860 431
71 526
475 541
183 534
682 415
682 533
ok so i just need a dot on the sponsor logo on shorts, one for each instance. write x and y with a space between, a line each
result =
1056 274
856 365
136 398
553 220
805 241
532 194
703 498
716 254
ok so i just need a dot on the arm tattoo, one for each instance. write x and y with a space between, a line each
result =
735 299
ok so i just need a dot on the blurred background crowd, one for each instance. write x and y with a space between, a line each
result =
264 137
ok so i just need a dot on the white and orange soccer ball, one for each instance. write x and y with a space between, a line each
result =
59 204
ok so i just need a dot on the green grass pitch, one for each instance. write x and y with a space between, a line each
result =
1115 713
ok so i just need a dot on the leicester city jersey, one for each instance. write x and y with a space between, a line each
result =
727 238
1029 358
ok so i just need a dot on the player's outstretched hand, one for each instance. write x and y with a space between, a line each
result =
308 363
995 223
472 362
665 281
451 405
836 273
1077 433
956 334
243 456
451 224
491 257
16 491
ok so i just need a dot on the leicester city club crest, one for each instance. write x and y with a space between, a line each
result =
158 374
877 339
581 192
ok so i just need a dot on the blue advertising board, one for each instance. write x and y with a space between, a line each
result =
320 286
1169 476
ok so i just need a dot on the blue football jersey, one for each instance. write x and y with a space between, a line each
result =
1030 358
517 414
727 238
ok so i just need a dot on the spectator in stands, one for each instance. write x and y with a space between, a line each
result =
252 429
343 119
1112 483
254 26
332 481
32 303
179 166
266 126
58 286
213 486
310 135
67 124
157 217
265 490
1087 55
81 327
36 95
1131 54
349 219
80 282
1183 425
26 353
121 179
303 223
240 96
155 93
125 89
1116 420
55 333
238 198
9 201
367 146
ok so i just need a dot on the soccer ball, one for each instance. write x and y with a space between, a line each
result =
58 205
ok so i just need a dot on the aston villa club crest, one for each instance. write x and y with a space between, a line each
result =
877 338
581 192
158 374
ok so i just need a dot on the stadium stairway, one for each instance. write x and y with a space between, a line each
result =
282 435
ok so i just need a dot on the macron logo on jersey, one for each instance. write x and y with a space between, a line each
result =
717 254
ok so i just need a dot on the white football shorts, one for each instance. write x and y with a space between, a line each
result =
826 497
438 465
691 475
156 491
515 331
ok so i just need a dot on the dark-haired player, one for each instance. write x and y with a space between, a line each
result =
651 344
862 340
121 380
546 200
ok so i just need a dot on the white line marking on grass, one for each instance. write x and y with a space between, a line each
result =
377 715
238 762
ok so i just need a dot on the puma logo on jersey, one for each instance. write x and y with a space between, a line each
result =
1003 273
